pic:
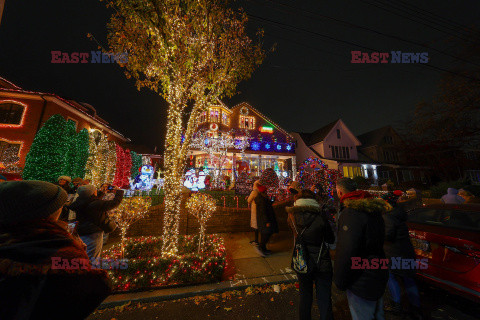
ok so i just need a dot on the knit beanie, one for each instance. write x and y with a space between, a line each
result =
86 191
66 178
29 200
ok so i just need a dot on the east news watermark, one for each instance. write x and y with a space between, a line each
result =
389 57
88 57
394 263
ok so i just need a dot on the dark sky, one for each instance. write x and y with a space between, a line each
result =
306 83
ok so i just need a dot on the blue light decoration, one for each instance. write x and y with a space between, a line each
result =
267 146
207 141
183 139
279 147
255 146
289 147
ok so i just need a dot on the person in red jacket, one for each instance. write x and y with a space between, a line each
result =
45 272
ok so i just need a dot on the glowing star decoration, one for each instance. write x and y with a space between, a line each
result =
144 181
266 129
289 147
255 146
202 206
279 147
267 146
129 211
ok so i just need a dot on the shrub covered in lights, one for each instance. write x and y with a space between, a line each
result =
148 269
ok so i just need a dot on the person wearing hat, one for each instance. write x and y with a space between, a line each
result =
265 219
77 182
92 217
64 182
32 238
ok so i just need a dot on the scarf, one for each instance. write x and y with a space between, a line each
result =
356 195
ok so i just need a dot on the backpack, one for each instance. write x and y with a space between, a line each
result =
300 255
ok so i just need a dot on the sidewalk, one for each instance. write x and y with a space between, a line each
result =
244 268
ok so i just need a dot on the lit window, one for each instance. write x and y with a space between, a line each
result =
11 113
214 115
203 117
9 152
225 119
247 122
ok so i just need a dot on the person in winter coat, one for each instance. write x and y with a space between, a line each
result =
45 272
308 216
398 246
266 220
452 197
253 211
91 214
64 182
361 232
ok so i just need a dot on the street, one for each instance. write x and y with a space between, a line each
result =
264 303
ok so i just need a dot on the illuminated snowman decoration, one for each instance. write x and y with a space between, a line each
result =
193 182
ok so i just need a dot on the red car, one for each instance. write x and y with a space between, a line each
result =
449 237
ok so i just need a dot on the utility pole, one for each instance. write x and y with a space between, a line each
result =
2 5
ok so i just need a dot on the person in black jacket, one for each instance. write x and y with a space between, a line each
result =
358 268
266 220
45 272
308 218
398 246
92 214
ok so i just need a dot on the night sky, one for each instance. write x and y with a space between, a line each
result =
307 82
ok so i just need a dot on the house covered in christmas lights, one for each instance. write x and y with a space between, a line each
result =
269 145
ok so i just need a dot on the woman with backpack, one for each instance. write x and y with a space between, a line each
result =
312 231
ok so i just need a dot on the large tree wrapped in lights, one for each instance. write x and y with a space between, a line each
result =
71 136
101 161
47 156
81 153
193 52
136 164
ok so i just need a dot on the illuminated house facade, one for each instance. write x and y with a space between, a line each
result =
337 147
23 112
270 145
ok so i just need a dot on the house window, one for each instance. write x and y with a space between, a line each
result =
214 115
9 152
247 122
339 136
11 113
388 140
473 176
203 117
225 119
339 152
407 175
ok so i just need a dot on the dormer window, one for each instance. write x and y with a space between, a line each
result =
11 113
247 122
214 115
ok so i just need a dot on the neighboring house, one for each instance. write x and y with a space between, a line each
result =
337 147
386 147
270 145
470 162
23 112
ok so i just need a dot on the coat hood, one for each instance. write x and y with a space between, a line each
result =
300 209
452 191
370 205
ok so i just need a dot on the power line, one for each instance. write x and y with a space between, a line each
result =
352 25
286 26
417 21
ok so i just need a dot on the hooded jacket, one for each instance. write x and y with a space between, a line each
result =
304 212
33 287
265 214
452 197
361 233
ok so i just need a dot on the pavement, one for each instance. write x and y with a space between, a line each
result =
257 288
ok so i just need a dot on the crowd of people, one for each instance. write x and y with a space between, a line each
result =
67 221
365 228
42 222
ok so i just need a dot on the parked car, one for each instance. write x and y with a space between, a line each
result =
449 237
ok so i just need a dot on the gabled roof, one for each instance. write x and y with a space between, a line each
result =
374 137
320 134
264 117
